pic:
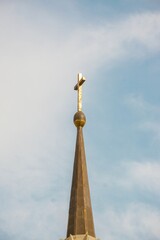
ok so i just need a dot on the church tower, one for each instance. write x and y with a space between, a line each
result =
80 219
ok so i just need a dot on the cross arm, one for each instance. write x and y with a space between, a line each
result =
81 81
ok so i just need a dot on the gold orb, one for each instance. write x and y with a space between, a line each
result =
79 119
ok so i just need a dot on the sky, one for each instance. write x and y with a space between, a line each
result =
43 46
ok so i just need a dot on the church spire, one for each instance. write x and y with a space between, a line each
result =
80 220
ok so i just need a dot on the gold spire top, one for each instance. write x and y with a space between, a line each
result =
79 118
78 87
80 219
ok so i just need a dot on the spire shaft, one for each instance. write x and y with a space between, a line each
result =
80 219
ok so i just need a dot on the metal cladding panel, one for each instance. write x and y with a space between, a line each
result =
80 220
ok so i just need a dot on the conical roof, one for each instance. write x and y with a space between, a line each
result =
80 220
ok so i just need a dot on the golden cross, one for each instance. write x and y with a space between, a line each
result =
78 87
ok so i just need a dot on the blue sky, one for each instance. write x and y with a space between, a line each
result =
116 45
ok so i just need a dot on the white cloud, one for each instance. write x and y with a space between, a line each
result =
133 176
148 114
36 77
139 104
145 175
136 221
153 128
126 216
136 36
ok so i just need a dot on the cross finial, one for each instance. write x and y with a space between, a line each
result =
78 87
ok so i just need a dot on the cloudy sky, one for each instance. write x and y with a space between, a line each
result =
43 45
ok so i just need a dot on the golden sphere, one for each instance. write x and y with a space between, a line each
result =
79 119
